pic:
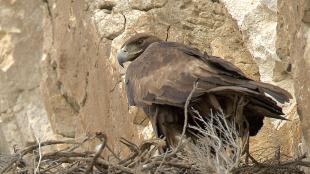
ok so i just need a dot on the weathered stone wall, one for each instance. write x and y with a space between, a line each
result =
260 23
81 87
23 117
293 50
68 49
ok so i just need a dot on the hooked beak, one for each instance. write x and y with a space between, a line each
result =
122 56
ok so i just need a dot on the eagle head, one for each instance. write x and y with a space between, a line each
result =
134 47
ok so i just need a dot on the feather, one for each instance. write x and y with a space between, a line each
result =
161 78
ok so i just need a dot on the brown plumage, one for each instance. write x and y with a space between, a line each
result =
161 76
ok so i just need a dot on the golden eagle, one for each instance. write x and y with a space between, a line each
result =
161 75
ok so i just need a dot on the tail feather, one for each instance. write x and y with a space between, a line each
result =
276 92
265 112
258 101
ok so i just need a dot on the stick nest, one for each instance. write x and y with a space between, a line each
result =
142 158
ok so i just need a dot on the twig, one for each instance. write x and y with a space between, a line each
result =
40 156
30 149
112 152
185 116
55 155
46 143
119 167
142 159
178 165
162 162
103 139
51 167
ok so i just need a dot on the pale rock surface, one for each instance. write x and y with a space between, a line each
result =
258 20
23 118
81 87
146 5
293 50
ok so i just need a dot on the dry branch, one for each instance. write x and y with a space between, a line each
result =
142 159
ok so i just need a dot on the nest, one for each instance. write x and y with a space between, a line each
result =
142 158
273 162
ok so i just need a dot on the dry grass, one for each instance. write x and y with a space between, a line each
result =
218 149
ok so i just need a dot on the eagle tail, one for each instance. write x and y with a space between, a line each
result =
273 92
262 98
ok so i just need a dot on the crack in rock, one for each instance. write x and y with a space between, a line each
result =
167 35
146 5
69 99
83 102
107 6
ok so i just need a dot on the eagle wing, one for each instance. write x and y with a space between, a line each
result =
166 71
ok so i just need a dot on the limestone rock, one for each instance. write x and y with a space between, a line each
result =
23 118
258 22
293 49
146 5
109 25
81 87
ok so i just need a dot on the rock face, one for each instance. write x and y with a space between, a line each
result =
23 118
259 23
81 86
59 77
293 50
